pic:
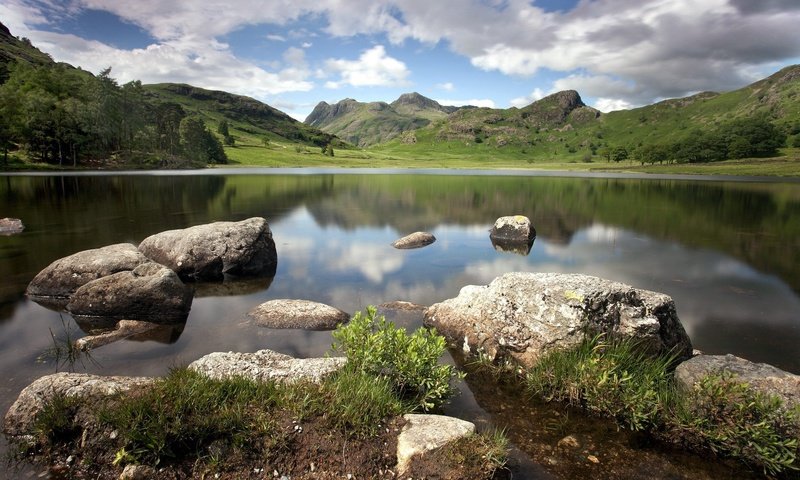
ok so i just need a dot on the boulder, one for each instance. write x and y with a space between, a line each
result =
59 280
20 418
214 250
150 292
414 240
422 434
11 226
303 314
266 365
525 315
512 233
760 376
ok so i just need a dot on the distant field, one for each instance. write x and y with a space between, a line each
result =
280 155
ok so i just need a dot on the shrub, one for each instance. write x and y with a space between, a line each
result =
733 419
410 362
606 377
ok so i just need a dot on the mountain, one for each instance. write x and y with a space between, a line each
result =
15 49
366 124
247 117
562 128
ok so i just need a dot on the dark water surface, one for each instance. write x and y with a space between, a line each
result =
727 252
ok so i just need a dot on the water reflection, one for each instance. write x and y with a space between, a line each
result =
728 253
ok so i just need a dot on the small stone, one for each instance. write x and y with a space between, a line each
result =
70 459
593 459
569 442
414 240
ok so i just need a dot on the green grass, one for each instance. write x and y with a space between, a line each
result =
615 379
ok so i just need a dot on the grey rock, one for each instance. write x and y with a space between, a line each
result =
525 315
59 280
762 377
11 226
266 365
512 231
402 306
124 329
214 250
20 418
149 292
422 434
414 240
137 472
305 314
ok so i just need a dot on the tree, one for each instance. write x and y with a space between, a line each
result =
619 153
752 137
198 143
222 128
265 141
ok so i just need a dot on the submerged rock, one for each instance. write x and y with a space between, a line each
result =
59 280
266 365
525 315
425 433
11 226
414 240
124 329
214 250
303 314
762 377
512 231
150 292
21 417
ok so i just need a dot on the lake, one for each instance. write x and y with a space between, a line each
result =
727 251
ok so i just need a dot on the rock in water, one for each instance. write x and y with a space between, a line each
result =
150 292
21 417
762 377
59 280
525 315
11 226
211 251
303 314
414 240
513 234
425 433
266 365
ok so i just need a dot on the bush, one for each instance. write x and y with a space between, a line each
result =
733 419
409 362
606 377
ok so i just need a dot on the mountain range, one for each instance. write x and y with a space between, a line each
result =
559 127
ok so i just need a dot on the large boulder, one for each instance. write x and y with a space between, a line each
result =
266 365
214 250
762 377
59 280
305 314
20 418
525 315
513 233
149 292
414 240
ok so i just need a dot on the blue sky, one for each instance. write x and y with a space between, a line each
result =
292 54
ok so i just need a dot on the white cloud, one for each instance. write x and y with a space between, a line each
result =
306 44
612 104
447 86
373 68
519 102
276 38
476 102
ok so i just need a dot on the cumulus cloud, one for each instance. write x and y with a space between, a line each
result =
519 102
374 68
447 86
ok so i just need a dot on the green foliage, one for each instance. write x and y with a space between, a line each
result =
223 129
358 402
185 411
607 377
733 419
198 143
56 421
409 362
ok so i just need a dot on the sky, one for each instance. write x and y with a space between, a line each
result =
292 54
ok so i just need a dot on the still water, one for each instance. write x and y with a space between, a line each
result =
727 251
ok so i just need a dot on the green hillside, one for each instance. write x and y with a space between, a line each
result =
560 128
13 49
250 120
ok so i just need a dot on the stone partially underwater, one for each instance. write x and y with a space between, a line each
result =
522 316
513 234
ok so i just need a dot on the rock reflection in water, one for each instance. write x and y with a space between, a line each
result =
505 246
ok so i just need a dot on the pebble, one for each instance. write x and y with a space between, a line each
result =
593 459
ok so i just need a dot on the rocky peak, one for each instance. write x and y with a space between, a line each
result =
554 109
324 112
4 31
